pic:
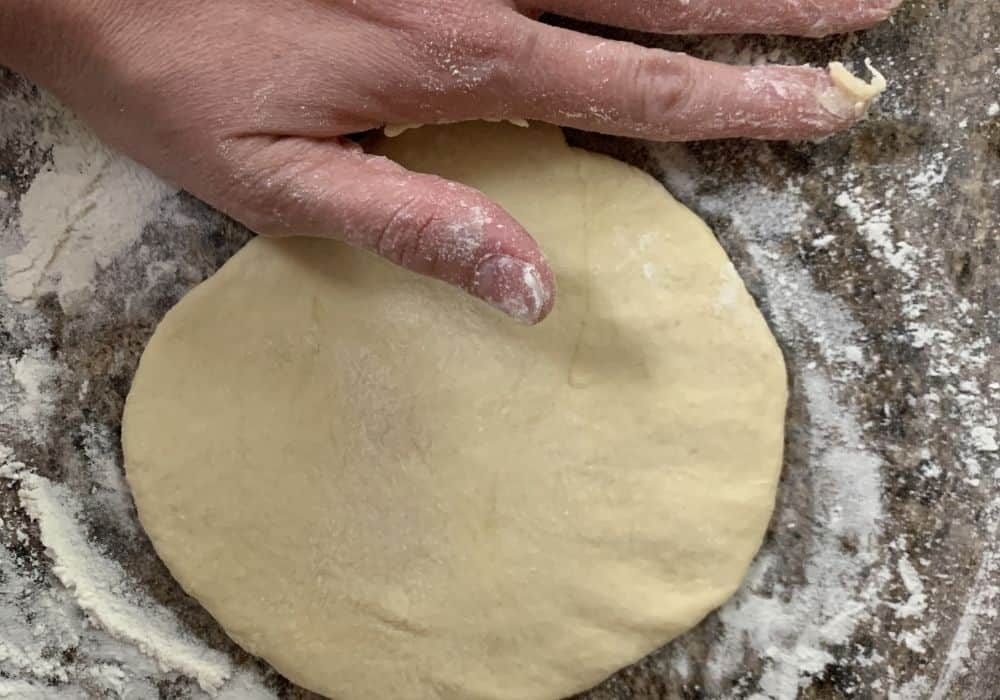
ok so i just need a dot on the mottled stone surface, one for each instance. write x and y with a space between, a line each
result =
874 256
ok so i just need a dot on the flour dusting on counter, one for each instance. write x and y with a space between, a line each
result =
102 590
82 209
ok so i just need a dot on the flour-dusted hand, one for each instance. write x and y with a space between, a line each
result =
246 104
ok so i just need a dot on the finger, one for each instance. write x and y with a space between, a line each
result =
426 224
799 17
573 79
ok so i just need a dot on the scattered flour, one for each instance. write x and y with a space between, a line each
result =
984 439
33 373
88 205
874 223
102 590
981 605
916 604
795 632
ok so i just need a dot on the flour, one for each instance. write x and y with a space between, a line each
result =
33 373
108 491
981 606
916 604
82 210
837 599
874 223
100 587
983 439
923 183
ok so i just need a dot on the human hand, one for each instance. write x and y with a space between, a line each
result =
246 104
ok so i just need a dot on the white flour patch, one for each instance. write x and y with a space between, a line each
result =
103 592
32 375
84 208
923 184
915 689
916 604
983 439
874 223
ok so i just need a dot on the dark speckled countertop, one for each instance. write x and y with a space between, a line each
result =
874 256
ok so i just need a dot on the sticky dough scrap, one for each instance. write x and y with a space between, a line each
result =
853 94
394 130
389 490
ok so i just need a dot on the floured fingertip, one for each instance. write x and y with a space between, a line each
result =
515 287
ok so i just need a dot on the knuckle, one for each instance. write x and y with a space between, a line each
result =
661 86
471 49
405 236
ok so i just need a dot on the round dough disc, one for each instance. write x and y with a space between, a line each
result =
389 490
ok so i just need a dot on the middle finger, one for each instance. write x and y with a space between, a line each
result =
798 17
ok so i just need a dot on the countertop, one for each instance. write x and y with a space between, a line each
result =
873 255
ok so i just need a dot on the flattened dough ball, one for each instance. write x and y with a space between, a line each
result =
389 490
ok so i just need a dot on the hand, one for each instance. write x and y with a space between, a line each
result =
246 103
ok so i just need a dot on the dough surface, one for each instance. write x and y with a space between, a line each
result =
390 490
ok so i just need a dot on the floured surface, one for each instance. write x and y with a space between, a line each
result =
873 255
388 489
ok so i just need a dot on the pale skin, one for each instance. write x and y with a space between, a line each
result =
246 104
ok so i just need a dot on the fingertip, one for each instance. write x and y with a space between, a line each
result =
523 290
508 270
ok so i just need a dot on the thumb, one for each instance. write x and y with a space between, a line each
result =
438 228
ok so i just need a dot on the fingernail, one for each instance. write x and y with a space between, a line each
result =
513 286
